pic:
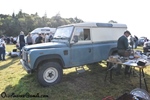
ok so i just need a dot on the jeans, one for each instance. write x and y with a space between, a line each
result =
2 53
21 46
123 53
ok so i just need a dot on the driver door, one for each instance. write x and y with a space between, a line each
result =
81 51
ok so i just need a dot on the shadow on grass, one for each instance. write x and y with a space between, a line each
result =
89 85
12 61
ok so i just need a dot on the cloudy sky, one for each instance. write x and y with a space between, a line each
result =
134 13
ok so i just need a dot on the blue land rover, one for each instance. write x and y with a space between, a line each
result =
73 45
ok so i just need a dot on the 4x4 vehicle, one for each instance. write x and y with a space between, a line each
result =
72 45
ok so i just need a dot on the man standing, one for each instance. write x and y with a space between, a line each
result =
39 39
2 48
21 41
122 46
136 41
29 39
47 37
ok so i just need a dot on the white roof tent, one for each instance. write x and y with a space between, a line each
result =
92 24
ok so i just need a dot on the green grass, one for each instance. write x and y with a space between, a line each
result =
89 85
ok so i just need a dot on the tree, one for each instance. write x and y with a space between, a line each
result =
12 25
112 21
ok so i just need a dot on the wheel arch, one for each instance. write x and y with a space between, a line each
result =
113 51
51 58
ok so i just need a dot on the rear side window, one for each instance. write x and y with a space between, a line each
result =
45 29
83 34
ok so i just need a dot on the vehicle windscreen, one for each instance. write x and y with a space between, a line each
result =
63 32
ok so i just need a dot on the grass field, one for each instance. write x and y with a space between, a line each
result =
89 85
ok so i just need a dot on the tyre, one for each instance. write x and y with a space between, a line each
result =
49 74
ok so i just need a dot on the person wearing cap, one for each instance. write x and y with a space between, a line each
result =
122 47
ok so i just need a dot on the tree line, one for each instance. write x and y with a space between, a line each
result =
11 25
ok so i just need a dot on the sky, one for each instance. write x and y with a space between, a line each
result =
133 13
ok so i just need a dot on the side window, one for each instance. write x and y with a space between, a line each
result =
87 34
83 34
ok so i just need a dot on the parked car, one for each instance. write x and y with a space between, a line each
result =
132 42
141 41
72 45
146 48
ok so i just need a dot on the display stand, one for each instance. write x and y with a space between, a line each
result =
112 64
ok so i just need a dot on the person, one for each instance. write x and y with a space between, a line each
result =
2 49
122 47
50 36
131 41
43 37
14 40
39 39
47 37
21 41
8 40
29 39
11 40
136 41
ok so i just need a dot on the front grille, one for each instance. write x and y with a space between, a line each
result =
24 56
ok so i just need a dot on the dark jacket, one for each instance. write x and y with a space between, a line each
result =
21 39
122 43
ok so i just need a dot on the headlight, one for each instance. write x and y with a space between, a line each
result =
141 93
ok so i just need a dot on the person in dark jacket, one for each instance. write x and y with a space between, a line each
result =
136 41
122 46
39 39
21 41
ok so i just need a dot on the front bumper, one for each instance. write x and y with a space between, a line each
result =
26 67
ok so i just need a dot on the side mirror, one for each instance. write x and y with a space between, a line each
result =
75 38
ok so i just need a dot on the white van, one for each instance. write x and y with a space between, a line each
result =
43 30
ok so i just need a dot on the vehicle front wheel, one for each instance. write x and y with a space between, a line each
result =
49 74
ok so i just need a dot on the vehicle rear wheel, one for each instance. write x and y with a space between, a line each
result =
49 74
